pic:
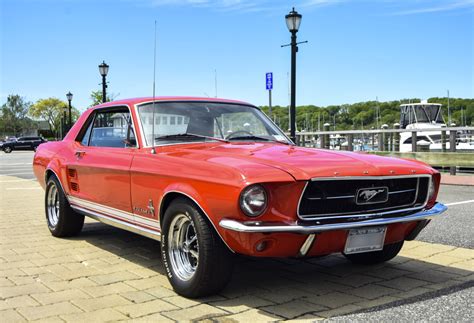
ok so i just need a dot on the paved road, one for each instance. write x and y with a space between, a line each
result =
17 163
456 227
106 273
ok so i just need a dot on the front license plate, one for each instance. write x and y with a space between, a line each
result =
365 240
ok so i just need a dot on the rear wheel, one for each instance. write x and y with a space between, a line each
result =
61 218
388 252
7 149
196 260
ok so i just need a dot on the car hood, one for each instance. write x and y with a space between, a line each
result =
304 163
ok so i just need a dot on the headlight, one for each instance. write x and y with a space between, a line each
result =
253 200
431 189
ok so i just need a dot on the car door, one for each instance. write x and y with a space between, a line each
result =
22 143
99 175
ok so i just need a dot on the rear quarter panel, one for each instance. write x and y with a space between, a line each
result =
46 158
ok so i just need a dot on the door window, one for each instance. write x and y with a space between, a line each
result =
111 128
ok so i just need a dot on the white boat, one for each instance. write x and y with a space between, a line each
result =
424 115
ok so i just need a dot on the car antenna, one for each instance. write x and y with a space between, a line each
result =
153 151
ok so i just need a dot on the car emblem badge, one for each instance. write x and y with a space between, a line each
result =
372 195
150 209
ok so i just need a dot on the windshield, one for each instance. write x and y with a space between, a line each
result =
204 121
428 113
424 114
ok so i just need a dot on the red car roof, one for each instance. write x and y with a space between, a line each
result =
133 101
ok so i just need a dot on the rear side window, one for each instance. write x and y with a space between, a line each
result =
113 128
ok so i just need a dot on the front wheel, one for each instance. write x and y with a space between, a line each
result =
196 260
7 149
61 218
388 252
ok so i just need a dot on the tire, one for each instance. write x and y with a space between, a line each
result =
7 149
61 218
371 258
197 262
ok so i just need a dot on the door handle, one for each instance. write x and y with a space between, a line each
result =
79 153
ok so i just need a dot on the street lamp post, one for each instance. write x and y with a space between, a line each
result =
64 122
104 69
69 98
293 21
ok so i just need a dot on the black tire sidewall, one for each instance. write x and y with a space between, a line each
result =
69 223
63 205
180 207
7 150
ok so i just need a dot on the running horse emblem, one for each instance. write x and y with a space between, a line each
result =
367 195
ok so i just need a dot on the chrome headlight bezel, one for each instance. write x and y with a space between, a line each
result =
251 197
431 189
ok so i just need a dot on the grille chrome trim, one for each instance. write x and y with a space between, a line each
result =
403 191
373 213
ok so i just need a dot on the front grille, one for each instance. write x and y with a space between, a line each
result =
340 197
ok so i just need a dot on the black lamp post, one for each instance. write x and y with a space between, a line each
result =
104 69
69 98
64 122
293 21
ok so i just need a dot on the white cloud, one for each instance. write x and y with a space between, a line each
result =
239 5
437 6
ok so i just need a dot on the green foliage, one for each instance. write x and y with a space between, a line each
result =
96 97
362 115
14 119
52 110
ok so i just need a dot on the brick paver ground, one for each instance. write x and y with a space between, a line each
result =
108 274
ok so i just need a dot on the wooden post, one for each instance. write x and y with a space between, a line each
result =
326 137
396 141
350 140
373 140
385 138
452 148
443 141
413 141
297 139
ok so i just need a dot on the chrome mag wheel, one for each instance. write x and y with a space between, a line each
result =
183 247
53 206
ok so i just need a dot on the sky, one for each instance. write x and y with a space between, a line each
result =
357 50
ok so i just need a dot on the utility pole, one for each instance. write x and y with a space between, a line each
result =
377 112
449 113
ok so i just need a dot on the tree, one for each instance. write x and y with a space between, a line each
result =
363 114
50 110
14 117
96 97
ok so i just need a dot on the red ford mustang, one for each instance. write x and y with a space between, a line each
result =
210 178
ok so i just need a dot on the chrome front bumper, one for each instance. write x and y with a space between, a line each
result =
270 227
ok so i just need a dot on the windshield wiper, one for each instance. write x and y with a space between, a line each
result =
253 137
188 135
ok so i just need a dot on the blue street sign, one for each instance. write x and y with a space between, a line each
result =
269 82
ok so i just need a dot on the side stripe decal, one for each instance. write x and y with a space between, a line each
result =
114 212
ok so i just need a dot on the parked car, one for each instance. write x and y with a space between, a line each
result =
22 143
211 178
